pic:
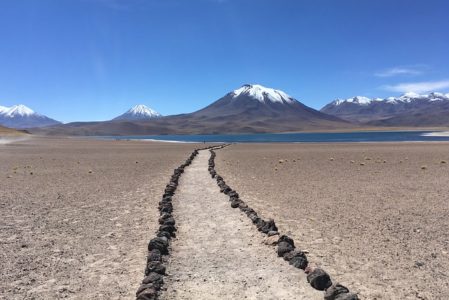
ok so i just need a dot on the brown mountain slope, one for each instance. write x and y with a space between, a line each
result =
5 131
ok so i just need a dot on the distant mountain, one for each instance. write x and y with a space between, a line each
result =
138 112
248 109
255 108
20 116
409 109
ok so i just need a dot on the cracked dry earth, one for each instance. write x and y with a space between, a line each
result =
218 254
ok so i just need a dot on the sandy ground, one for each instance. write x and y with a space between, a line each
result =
219 253
375 216
76 215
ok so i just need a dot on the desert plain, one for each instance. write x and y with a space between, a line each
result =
374 215
76 216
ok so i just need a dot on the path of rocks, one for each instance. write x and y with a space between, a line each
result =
218 254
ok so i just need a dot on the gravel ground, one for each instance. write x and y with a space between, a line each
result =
76 215
375 216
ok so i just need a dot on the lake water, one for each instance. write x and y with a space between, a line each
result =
330 137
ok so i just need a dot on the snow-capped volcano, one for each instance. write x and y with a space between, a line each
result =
21 116
254 107
363 109
262 94
18 111
138 112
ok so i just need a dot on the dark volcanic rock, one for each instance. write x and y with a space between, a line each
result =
269 226
348 296
335 290
168 228
155 266
287 239
159 243
299 262
154 255
319 279
153 278
284 248
164 234
147 294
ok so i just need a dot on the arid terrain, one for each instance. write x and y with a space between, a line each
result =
373 215
76 215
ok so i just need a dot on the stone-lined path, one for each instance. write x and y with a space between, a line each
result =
218 254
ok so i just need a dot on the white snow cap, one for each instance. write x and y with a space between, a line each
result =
262 93
143 110
407 97
16 110
357 100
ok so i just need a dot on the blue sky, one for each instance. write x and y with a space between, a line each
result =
80 60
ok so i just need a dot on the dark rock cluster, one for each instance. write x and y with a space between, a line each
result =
318 278
159 246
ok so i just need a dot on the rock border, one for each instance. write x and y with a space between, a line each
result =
317 277
159 246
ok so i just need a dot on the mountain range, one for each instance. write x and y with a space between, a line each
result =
252 108
248 109
410 109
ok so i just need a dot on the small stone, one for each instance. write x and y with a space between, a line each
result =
90 171
423 167
271 240
419 264
443 162
319 279
362 164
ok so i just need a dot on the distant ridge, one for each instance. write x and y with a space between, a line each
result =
410 109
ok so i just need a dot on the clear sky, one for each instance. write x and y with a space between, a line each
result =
93 59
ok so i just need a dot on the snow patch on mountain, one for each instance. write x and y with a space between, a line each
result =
262 94
139 112
17 111
144 111
405 98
